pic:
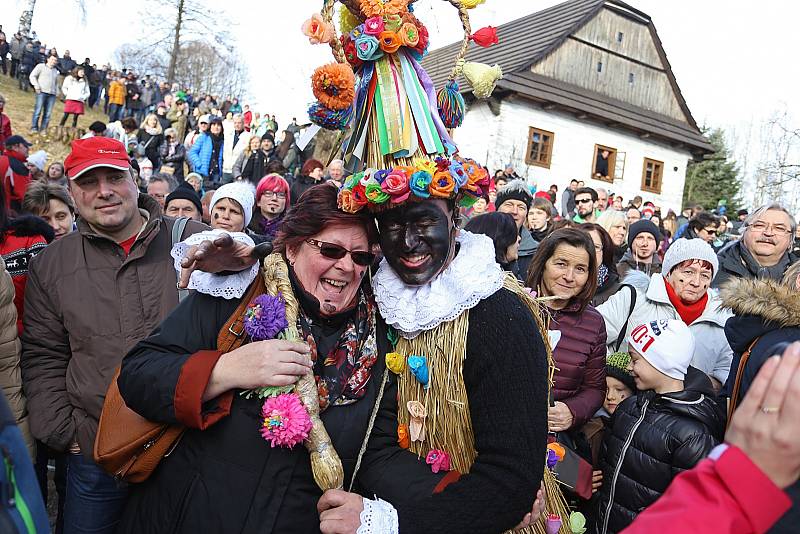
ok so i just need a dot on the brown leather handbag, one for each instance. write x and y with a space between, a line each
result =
127 445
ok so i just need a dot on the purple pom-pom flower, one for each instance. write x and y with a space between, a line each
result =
266 317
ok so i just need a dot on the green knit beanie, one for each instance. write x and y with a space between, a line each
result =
617 367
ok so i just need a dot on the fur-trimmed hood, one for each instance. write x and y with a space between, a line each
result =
763 298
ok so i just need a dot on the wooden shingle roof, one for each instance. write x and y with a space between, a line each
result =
527 40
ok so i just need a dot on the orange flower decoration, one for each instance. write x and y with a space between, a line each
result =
346 202
317 30
409 35
379 8
558 449
390 42
403 437
442 185
334 85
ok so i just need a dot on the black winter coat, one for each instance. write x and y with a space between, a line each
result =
768 312
176 160
652 439
226 478
256 167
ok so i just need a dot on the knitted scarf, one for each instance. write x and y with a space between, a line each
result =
688 313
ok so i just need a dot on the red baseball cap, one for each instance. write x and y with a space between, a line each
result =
88 154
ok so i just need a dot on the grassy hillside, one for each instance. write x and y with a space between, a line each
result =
55 141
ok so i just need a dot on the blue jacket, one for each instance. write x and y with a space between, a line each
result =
200 155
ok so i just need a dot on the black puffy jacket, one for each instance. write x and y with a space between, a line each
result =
652 439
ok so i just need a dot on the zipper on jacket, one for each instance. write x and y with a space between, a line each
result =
16 499
618 467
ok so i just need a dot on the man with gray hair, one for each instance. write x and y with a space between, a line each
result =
236 140
159 186
764 251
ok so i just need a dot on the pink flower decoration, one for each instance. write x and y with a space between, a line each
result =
286 421
317 30
396 185
438 460
373 26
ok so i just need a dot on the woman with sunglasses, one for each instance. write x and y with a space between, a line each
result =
223 476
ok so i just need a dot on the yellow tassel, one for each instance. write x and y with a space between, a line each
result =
472 4
347 21
482 78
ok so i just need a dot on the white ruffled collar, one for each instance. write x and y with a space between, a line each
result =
471 277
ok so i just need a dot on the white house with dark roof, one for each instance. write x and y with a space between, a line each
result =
587 93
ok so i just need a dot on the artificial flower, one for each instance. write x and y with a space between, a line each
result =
459 174
334 85
424 164
357 32
266 317
552 458
360 195
317 30
403 437
419 183
373 26
418 365
577 523
417 425
375 194
471 4
395 362
368 48
422 44
438 460
380 175
379 8
352 180
390 42
392 23
346 202
285 420
553 523
397 185
558 449
442 164
442 185
409 35
350 53
366 178
485 37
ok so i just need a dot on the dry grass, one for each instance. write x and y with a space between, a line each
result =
19 108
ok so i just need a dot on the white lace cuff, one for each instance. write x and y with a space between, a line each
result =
230 286
378 517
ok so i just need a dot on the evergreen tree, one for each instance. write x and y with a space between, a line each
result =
715 178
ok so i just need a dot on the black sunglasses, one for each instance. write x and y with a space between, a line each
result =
337 252
583 200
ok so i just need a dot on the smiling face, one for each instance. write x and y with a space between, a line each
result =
59 217
272 204
537 218
690 280
516 208
768 237
616 392
417 240
334 283
106 199
644 375
565 273
227 215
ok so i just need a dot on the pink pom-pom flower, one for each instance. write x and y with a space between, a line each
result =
438 460
286 421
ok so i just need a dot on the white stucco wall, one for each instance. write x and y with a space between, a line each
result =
497 140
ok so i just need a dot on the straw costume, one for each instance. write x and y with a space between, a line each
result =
396 143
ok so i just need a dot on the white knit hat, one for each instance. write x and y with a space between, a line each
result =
689 249
38 158
241 193
666 344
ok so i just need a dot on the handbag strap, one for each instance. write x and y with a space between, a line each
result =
737 383
621 336
232 335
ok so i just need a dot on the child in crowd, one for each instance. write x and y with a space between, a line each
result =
667 427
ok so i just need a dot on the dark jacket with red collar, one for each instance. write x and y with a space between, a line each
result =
16 178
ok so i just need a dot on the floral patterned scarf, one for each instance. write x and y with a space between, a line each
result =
343 374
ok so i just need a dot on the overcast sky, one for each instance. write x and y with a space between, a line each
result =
735 61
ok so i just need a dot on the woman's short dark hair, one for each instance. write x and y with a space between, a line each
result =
605 239
500 227
39 194
703 220
315 210
310 165
565 236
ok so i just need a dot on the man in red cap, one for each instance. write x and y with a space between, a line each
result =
90 297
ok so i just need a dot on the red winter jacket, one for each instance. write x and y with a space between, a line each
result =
580 358
5 130
16 178
724 494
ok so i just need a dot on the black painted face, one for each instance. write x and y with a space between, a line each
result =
417 240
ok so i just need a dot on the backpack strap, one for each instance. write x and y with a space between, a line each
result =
737 383
177 234
232 335
621 336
